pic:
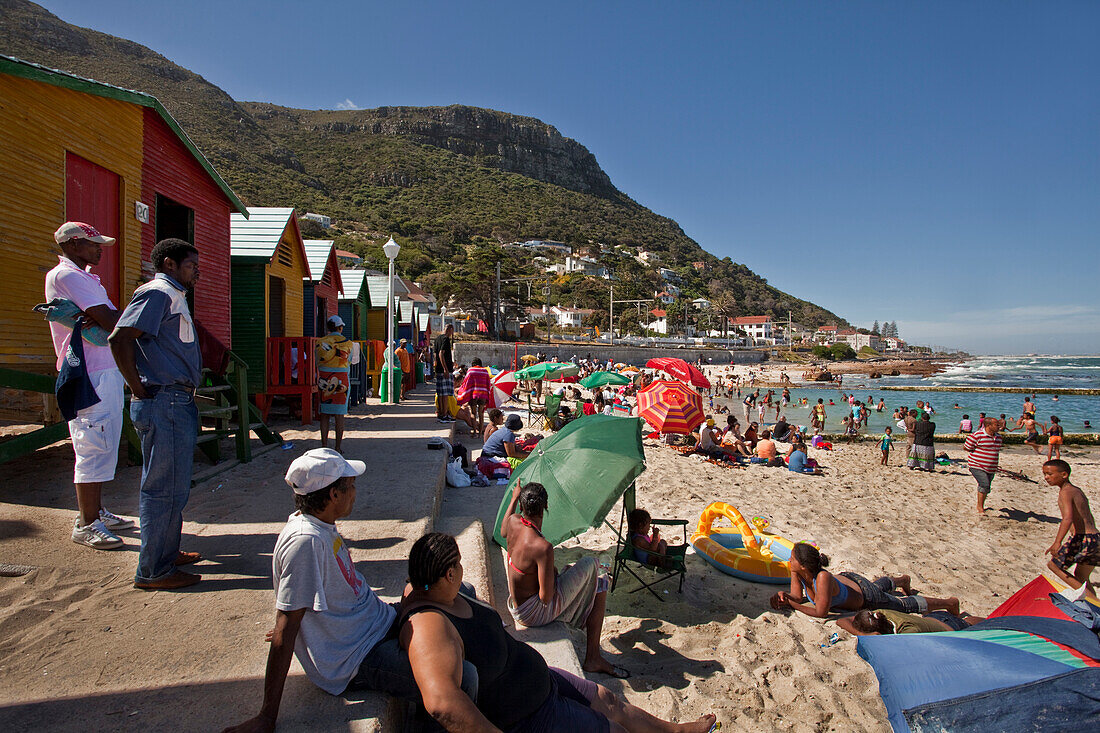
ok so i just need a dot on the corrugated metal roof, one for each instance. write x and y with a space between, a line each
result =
406 311
379 289
353 280
422 321
317 251
259 234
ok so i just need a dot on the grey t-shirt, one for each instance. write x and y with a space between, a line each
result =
344 619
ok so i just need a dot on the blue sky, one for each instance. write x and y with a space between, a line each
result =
934 163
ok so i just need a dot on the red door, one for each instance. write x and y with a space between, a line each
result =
91 196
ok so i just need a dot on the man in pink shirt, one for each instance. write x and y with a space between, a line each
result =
96 429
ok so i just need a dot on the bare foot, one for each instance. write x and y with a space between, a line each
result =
598 665
702 725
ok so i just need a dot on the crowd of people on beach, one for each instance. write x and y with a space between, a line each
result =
440 645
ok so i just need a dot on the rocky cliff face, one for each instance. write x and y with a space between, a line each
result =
507 142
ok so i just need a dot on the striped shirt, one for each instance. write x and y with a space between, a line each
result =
984 451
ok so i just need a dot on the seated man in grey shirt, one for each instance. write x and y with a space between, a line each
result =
325 612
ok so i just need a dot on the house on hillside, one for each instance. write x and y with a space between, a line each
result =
757 328
321 219
858 340
269 262
570 317
893 343
659 322
665 297
321 286
700 304
826 335
668 275
77 149
549 244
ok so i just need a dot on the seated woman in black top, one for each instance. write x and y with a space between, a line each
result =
516 690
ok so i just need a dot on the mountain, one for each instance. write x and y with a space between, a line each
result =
446 181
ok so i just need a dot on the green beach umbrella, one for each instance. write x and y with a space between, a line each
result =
548 370
599 379
586 466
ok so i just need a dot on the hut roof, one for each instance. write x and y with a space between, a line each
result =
259 235
354 282
37 72
319 252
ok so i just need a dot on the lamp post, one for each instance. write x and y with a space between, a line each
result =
390 249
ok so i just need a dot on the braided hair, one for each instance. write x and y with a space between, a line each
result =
431 557
532 500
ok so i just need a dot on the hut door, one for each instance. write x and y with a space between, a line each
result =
92 196
275 299
322 317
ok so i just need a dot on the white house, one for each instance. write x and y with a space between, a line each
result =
560 247
321 219
758 329
570 317
858 340
666 274
672 289
646 257
666 297
700 304
893 343
659 322
825 335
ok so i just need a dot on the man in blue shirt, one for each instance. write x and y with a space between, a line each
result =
156 349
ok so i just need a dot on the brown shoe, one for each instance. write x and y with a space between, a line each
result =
186 558
174 581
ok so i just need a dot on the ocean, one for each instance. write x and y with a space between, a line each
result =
1044 374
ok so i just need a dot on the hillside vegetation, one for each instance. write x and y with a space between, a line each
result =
450 183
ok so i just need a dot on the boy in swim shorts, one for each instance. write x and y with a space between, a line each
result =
1083 548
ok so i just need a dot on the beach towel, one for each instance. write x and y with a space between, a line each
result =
574 594
475 386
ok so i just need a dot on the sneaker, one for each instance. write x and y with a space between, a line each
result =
113 521
96 536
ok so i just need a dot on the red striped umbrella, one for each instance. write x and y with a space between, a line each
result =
671 407
504 384
680 369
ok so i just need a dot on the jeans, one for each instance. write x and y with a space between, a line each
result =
878 594
167 425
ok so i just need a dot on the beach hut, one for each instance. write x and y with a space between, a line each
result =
268 267
322 286
77 149
376 315
354 303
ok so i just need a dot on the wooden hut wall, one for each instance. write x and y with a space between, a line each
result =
289 265
170 170
40 123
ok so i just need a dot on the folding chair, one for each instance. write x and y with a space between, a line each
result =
673 561
537 415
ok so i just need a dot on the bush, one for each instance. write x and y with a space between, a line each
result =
842 351
822 352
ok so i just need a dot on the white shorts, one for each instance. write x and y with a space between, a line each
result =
95 430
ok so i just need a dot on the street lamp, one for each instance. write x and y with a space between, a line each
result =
390 249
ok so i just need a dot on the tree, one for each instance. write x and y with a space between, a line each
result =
821 351
894 329
874 328
725 305
842 351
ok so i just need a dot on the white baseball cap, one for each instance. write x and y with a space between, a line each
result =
315 469
80 230
336 321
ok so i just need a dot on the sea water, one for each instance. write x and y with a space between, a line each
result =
1045 374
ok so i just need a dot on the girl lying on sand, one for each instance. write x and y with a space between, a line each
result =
848 591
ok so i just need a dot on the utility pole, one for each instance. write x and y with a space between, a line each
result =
496 308
611 318
548 321
790 335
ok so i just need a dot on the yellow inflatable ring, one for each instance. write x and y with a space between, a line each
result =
737 550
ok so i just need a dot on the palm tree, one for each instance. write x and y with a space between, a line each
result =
725 305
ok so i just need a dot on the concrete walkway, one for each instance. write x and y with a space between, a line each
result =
80 647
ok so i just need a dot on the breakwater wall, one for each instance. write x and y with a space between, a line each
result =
1002 390
501 353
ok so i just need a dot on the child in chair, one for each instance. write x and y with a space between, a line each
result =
645 542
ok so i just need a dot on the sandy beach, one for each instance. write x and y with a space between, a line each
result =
74 628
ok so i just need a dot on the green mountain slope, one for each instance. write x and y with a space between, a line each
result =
449 182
